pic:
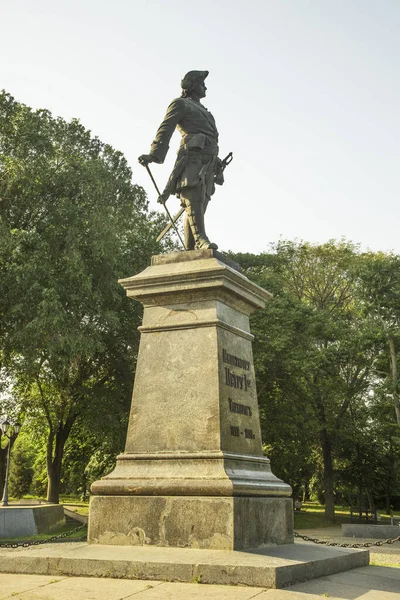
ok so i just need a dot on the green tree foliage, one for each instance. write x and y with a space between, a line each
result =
367 456
4 442
379 290
71 224
279 348
9 410
314 354
21 467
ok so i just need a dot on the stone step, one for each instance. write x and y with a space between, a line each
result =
271 567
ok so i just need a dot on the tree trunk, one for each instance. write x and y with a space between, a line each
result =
390 480
54 468
395 376
326 445
51 482
388 500
370 499
54 463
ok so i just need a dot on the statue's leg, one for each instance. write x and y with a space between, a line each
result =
194 221
206 201
189 239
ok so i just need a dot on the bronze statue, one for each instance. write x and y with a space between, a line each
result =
197 168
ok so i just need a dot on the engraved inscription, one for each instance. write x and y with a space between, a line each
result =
249 435
235 431
242 382
240 409
235 361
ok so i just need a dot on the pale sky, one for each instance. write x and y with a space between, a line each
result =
305 93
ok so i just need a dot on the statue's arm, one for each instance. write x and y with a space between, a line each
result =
160 146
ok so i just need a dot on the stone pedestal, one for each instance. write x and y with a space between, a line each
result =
18 520
193 473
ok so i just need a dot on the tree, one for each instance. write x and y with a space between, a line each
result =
315 349
3 458
280 345
368 453
21 468
10 410
71 224
379 291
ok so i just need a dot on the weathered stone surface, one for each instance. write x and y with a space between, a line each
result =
380 532
194 428
18 521
196 522
177 257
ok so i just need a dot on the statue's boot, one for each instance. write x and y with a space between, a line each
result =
195 219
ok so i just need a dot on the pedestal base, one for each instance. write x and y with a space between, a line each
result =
234 523
193 474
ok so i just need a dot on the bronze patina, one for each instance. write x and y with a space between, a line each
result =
197 168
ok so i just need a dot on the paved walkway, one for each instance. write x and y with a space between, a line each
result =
366 583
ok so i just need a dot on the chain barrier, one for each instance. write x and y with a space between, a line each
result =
306 538
38 542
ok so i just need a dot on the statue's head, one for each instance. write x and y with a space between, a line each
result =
193 82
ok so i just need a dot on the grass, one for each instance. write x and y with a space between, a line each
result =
82 508
73 503
312 516
384 564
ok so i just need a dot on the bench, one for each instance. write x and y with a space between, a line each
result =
362 514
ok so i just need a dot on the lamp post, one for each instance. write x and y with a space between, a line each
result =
13 434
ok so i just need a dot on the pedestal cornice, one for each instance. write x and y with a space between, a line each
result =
195 275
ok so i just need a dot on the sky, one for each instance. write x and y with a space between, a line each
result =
305 93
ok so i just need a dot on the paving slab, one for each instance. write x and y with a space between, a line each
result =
289 595
80 588
38 587
271 567
367 583
185 591
371 582
383 572
10 585
342 594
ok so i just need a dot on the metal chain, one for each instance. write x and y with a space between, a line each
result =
38 542
306 538
365 545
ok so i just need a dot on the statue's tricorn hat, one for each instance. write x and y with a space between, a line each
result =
191 77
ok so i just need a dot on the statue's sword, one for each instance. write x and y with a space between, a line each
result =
175 218
224 163
172 220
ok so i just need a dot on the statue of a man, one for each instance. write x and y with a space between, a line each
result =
197 168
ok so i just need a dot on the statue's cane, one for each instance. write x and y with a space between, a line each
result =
166 209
